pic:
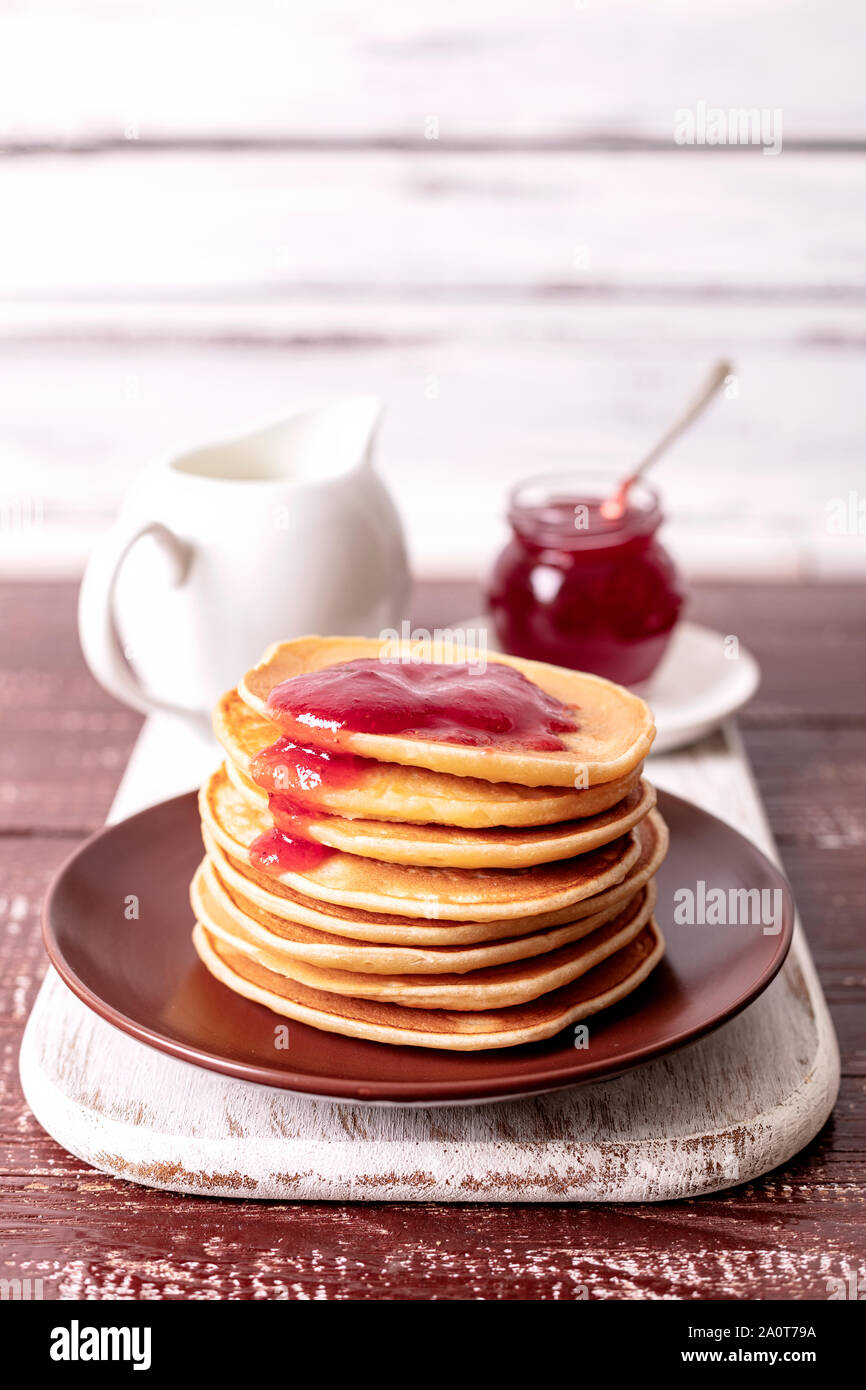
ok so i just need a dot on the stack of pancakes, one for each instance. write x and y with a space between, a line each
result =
469 897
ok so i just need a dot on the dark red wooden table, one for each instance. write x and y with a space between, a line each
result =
63 747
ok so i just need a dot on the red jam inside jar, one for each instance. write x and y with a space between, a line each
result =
581 588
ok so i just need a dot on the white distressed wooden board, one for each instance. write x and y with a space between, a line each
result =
301 225
722 1112
478 397
254 213
494 69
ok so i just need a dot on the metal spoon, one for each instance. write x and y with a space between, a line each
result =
615 505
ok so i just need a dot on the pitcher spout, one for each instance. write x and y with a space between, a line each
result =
320 445
323 444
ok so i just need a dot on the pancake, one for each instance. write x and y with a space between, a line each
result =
613 734
394 792
258 893
485 987
451 847
446 1029
413 891
224 911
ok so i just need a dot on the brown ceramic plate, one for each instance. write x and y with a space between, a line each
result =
142 974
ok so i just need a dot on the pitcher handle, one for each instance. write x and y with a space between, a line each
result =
97 624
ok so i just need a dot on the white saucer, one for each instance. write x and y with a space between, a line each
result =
697 686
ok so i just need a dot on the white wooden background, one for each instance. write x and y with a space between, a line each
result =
211 213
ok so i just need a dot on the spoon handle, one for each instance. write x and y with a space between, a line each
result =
716 378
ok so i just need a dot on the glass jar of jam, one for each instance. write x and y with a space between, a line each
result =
582 586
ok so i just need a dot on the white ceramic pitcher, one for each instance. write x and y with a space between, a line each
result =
218 552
